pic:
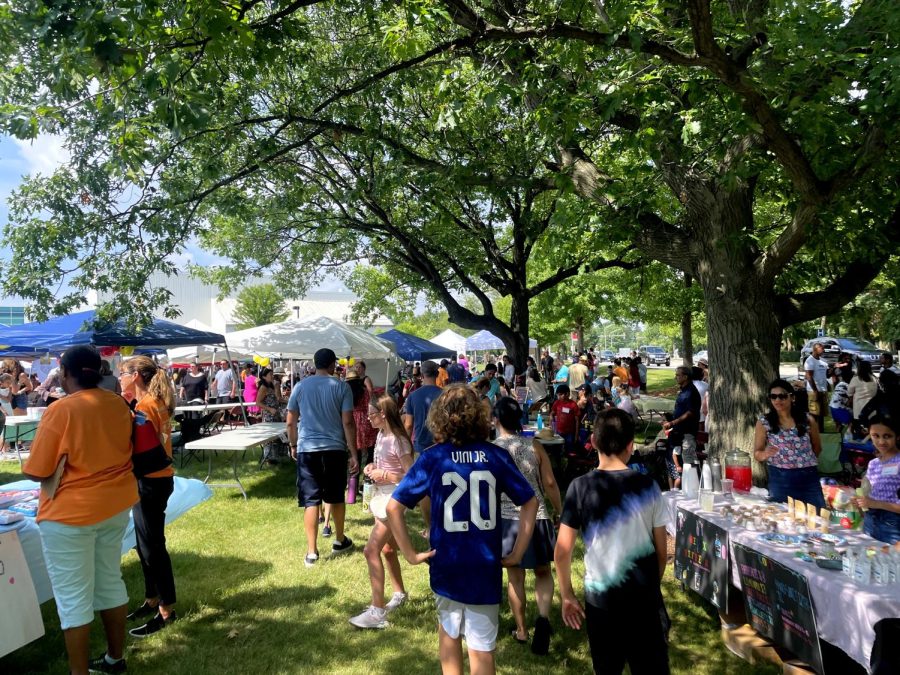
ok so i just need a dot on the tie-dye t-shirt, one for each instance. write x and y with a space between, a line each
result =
616 512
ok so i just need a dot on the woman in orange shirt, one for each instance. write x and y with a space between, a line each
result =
148 387
83 522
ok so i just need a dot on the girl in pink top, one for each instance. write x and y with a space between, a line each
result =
393 457
251 388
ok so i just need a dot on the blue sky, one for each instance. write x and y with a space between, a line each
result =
43 155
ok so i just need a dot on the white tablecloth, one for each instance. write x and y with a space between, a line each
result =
188 493
846 611
645 403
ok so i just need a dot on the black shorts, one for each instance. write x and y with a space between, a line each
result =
321 477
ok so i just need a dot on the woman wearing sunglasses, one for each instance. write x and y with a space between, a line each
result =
787 440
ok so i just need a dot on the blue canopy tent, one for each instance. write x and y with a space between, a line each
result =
483 340
60 333
412 348
30 340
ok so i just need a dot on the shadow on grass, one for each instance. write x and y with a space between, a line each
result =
266 482
695 641
198 578
10 472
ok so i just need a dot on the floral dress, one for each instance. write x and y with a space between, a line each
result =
366 434
794 452
270 400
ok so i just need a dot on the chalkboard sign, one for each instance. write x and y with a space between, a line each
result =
701 557
779 605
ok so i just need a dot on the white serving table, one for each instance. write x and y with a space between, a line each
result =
239 440
23 428
846 611
654 404
211 406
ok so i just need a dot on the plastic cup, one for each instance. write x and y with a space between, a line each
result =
727 486
707 500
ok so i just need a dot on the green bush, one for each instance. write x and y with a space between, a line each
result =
790 357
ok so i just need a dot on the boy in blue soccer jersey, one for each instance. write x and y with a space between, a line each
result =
464 475
621 517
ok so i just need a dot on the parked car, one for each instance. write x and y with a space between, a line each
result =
702 354
654 355
857 348
607 355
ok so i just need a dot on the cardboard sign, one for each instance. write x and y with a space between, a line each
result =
779 605
701 557
20 615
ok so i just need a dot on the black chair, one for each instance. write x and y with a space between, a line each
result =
213 423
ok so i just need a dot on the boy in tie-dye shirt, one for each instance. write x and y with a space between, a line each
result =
621 517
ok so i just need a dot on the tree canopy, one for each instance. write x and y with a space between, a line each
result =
258 305
498 147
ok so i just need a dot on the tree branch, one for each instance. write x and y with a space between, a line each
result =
785 147
567 272
397 67
666 243
800 307
779 253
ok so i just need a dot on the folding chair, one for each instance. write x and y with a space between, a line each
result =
212 423
191 430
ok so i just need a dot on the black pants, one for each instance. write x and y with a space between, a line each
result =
627 632
150 530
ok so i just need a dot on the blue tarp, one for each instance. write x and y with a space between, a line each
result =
485 340
412 348
63 332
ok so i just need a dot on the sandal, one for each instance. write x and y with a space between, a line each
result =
515 635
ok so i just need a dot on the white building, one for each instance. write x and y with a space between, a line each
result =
200 305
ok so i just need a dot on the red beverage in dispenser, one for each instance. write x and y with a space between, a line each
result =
741 475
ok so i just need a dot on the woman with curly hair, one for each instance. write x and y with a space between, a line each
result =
464 475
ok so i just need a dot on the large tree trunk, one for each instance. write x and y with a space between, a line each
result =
744 332
744 339
516 340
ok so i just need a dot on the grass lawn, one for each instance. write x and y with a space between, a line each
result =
248 605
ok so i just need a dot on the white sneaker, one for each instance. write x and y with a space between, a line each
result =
396 600
372 617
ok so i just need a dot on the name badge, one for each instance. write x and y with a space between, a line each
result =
890 470
566 411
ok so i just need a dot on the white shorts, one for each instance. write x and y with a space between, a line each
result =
381 495
478 624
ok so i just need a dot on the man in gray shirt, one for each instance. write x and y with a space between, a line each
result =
816 371
324 407
225 384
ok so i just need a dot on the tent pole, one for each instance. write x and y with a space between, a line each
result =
239 388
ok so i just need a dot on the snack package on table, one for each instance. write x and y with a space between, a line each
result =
10 497
9 517
29 508
844 512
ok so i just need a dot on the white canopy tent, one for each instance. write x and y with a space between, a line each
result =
299 339
450 340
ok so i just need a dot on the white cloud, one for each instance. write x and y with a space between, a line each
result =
43 154
183 259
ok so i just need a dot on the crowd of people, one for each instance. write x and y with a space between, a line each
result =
450 442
